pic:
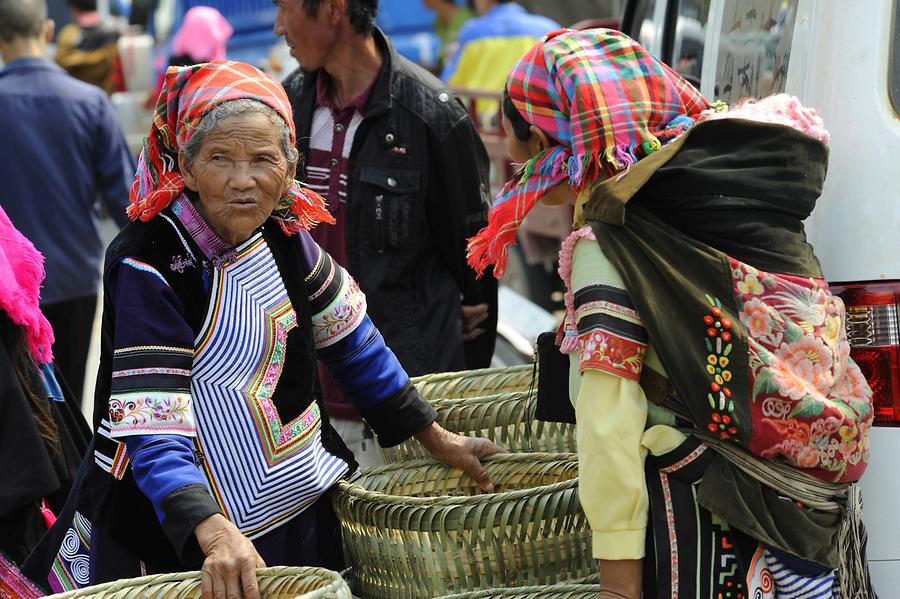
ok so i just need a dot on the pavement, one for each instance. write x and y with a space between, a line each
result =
108 231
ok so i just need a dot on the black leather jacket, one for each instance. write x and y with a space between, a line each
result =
417 188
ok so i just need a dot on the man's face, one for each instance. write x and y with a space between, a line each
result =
310 37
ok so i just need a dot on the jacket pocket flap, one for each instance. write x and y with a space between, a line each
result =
392 180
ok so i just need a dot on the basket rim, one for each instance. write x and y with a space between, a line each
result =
451 402
464 374
530 590
358 492
169 577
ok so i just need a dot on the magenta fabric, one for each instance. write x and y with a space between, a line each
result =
203 35
21 275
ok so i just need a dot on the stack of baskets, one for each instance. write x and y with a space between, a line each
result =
417 528
274 583
495 403
422 529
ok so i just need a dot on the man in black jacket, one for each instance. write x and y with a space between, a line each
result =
406 177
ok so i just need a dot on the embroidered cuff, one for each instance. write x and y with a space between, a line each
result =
184 509
150 392
619 544
338 304
398 418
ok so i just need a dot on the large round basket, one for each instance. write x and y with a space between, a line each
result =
278 582
423 529
473 383
506 419
555 591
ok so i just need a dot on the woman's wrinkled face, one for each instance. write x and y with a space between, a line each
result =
239 174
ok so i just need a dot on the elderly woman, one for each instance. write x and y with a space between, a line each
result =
212 448
706 351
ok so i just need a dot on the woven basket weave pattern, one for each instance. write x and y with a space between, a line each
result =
278 582
423 529
506 419
472 383
557 591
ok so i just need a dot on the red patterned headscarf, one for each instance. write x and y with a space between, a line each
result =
188 94
605 100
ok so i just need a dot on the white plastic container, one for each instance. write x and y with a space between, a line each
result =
136 54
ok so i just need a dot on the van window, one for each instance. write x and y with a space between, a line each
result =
894 63
690 35
754 48
647 27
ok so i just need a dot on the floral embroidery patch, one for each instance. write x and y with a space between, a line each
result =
151 412
811 405
719 346
343 315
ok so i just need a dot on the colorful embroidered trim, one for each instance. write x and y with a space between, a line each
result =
611 337
718 346
110 455
144 267
338 305
142 413
13 584
150 392
214 248
71 568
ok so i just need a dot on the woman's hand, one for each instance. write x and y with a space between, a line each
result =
460 452
621 579
472 317
229 571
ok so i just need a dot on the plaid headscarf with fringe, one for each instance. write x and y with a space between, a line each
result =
188 94
606 101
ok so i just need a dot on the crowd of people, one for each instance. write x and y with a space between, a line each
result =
291 253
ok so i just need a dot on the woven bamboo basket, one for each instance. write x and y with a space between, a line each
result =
506 419
423 529
556 591
473 383
278 582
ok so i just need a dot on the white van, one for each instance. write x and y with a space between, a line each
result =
843 58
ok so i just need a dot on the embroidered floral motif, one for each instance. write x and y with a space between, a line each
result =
619 356
341 317
811 405
719 346
180 263
151 412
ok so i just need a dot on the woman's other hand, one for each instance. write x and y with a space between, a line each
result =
472 318
621 579
460 452
229 571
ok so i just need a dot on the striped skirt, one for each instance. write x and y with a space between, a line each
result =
693 554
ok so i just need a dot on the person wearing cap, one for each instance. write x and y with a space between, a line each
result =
212 449
720 419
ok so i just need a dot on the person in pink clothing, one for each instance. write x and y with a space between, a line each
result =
202 37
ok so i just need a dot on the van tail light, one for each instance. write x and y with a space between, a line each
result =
873 330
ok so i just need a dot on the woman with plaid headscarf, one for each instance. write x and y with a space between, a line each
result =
720 418
212 448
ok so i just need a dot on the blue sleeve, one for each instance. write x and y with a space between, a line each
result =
114 165
162 464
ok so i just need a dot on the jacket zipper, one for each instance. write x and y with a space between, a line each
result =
379 223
